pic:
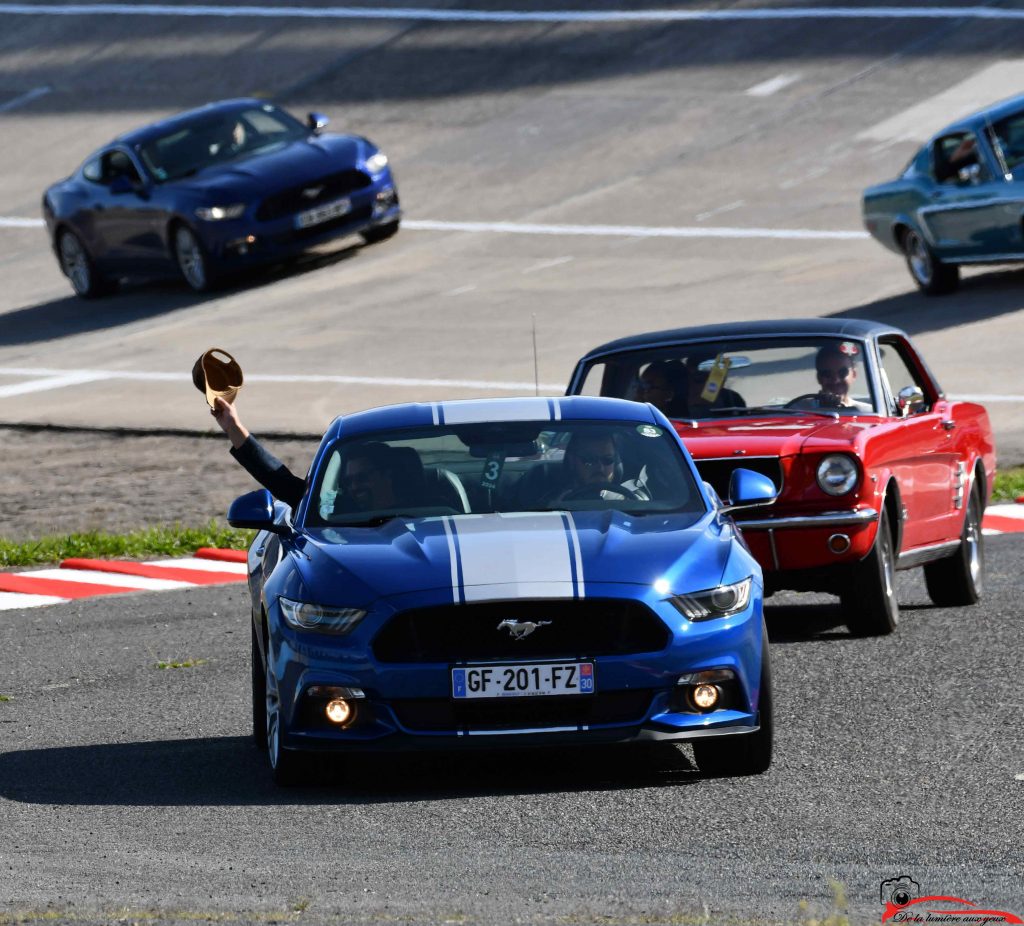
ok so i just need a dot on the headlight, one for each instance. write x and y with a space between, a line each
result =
837 474
219 213
714 602
305 616
375 163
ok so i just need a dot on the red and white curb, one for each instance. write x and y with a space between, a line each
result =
1003 519
84 578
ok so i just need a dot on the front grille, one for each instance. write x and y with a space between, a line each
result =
334 186
468 632
718 471
523 713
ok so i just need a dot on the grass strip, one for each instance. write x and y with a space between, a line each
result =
151 542
1008 485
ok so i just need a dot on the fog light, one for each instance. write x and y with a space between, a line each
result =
839 543
339 711
706 696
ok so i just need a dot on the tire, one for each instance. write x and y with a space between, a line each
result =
259 696
192 260
870 603
743 753
287 766
380 233
79 268
959 579
932 276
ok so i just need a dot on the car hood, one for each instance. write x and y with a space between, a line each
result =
773 437
270 171
514 555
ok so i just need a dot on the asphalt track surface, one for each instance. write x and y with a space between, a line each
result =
126 789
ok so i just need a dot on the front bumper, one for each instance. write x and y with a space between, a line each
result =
247 240
410 706
820 540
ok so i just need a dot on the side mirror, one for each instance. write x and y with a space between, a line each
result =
910 400
255 511
317 122
748 489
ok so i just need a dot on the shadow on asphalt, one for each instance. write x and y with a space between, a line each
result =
139 300
798 623
229 771
981 297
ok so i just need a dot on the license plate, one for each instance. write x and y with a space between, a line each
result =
323 213
519 681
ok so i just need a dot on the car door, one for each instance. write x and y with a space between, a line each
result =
924 458
132 220
968 212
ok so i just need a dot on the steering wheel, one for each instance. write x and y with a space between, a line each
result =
593 490
821 400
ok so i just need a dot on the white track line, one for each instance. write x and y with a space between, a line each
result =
509 16
24 98
635 231
57 378
772 86
599 231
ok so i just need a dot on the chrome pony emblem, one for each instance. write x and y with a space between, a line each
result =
519 630
312 192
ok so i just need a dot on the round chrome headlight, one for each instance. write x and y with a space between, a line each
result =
837 474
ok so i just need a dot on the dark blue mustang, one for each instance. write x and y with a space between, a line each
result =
215 189
523 571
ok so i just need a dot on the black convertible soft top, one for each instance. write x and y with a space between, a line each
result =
840 327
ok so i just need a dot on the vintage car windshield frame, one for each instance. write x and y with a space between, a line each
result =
640 355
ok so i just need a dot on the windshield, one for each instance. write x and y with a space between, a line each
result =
503 466
741 378
217 138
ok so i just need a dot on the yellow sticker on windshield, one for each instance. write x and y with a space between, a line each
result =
716 378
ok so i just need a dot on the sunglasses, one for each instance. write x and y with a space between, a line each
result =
594 462
838 373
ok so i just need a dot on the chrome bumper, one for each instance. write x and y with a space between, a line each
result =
825 519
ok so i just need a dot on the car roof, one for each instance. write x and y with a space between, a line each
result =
838 327
482 411
992 113
166 126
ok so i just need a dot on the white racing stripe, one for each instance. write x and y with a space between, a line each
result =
498 410
510 16
517 555
116 579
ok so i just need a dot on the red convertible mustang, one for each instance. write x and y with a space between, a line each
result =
878 470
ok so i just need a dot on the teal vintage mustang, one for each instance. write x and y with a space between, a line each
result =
960 200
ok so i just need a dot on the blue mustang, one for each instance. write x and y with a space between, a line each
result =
216 189
509 571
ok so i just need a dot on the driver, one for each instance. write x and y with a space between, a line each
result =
592 468
836 369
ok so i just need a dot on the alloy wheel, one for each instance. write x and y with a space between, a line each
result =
75 263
